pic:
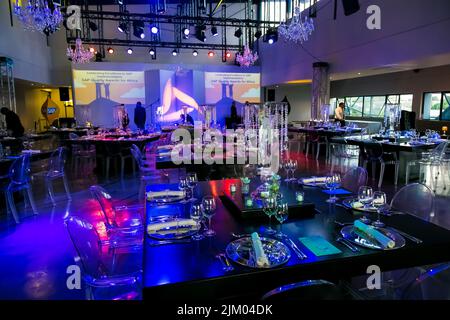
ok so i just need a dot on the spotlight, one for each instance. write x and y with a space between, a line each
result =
258 34
211 54
152 52
123 27
154 29
92 49
110 50
92 26
98 57
138 29
195 53
214 31
186 32
238 33
200 32
271 36
130 51
228 55
174 52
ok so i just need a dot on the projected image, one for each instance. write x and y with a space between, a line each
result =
240 87
125 87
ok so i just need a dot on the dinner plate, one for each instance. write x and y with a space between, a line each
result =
319 184
349 203
166 199
359 238
241 251
171 233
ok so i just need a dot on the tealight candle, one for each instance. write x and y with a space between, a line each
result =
248 201
299 196
444 129
245 188
232 188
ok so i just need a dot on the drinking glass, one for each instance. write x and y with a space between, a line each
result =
379 202
281 215
365 196
293 166
286 166
270 208
209 209
196 214
333 181
192 182
183 185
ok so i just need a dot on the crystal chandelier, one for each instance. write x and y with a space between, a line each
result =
297 30
79 54
37 16
248 58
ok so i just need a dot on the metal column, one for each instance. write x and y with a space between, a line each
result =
320 94
7 90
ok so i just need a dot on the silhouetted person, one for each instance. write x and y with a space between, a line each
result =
107 90
234 115
188 120
140 116
13 123
285 99
98 90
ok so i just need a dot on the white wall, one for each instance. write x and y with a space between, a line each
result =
299 96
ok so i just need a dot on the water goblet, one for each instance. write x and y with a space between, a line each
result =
333 181
192 182
270 208
293 166
196 214
183 185
365 196
209 209
281 215
379 202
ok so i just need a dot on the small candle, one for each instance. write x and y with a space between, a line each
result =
444 129
299 196
232 188
245 189
248 201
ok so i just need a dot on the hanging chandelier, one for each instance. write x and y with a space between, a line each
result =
247 58
297 30
37 16
79 54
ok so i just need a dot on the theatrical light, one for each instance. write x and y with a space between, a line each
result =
258 34
174 52
154 29
228 55
195 53
110 50
130 51
151 52
211 54
186 32
270 41
98 57
123 27
200 32
92 49
271 36
92 26
214 31
238 33
138 29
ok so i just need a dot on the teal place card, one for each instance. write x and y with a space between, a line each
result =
319 246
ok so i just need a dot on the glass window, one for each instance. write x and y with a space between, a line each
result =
445 106
332 105
374 106
432 106
354 106
393 99
406 102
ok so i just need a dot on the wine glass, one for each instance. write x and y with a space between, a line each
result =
270 208
196 214
292 167
192 182
209 209
333 181
281 215
365 196
286 165
379 202
183 185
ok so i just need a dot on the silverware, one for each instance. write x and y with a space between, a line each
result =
348 244
164 242
406 235
226 265
294 247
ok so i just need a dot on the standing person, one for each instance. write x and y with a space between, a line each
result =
234 115
13 123
339 114
140 116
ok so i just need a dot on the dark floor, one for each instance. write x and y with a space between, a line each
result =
35 254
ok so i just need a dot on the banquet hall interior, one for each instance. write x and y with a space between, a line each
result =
224 150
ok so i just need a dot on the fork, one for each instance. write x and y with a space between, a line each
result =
226 265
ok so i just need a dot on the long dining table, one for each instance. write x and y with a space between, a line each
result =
191 272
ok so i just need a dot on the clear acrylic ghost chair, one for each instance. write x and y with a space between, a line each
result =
83 156
124 224
373 153
55 171
104 270
146 174
19 180
354 178
415 199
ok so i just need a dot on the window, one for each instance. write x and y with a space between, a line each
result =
373 106
436 106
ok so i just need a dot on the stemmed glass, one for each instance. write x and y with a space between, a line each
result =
365 196
292 167
286 166
209 209
183 185
270 209
333 182
192 182
379 202
281 215
196 214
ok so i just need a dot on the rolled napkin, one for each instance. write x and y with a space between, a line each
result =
165 154
31 151
160 227
374 233
165 147
260 256
315 180
169 193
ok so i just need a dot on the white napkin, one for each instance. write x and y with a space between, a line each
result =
161 226
260 256
165 154
31 151
315 180
171 193
168 146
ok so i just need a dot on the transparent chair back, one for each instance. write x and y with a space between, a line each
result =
439 152
19 172
105 201
73 136
137 156
415 199
57 160
354 178
373 150
86 241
